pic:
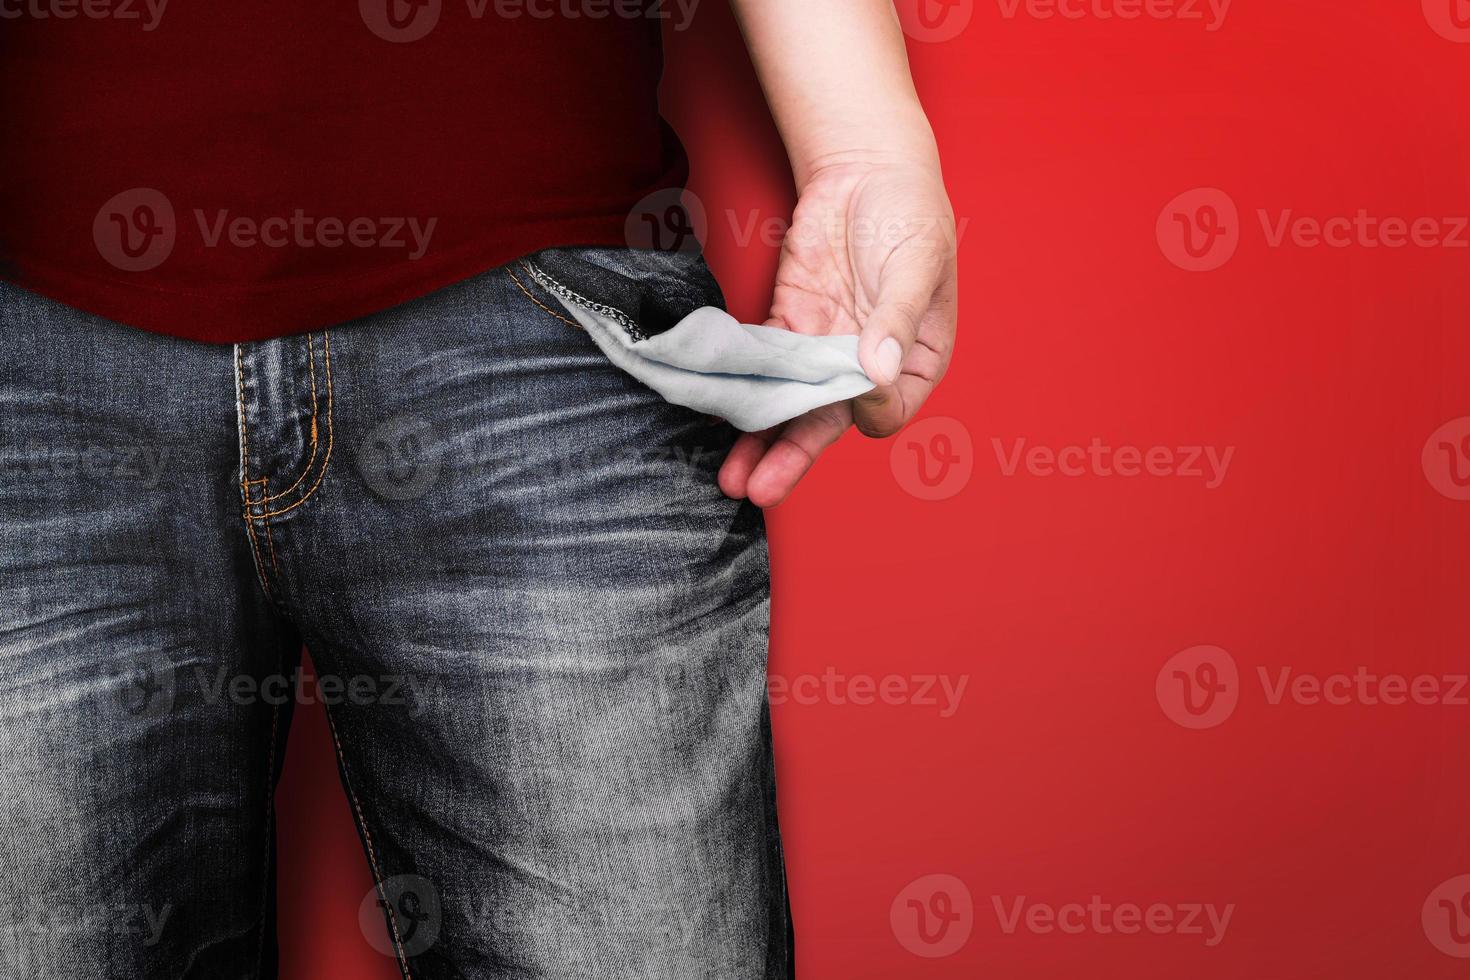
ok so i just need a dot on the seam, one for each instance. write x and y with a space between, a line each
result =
315 442
259 563
245 481
372 853
611 312
270 540
326 460
244 431
270 803
533 298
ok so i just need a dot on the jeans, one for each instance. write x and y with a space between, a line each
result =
540 631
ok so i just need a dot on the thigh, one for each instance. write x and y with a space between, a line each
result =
575 778
133 823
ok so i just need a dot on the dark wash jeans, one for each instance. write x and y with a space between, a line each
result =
540 629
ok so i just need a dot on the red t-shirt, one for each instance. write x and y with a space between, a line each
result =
235 171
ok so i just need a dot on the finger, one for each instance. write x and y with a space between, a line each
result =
740 462
794 451
905 294
883 411
887 408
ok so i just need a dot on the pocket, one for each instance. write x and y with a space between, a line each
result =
660 317
645 293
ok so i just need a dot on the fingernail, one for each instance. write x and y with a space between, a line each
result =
890 359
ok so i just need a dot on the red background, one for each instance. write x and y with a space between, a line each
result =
1325 548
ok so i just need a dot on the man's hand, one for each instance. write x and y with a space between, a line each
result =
871 249
871 252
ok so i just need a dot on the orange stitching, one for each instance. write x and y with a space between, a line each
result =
315 442
532 298
372 854
270 538
326 461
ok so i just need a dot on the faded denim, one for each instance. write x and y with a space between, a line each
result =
548 625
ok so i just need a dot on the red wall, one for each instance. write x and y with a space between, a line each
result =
1333 543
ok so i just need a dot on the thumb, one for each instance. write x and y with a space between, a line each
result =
889 333
904 296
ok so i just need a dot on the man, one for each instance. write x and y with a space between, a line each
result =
295 316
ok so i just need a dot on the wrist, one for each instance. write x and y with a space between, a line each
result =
900 139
